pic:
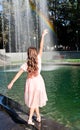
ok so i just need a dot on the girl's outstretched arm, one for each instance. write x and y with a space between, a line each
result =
42 41
15 78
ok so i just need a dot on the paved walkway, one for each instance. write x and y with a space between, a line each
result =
12 117
9 123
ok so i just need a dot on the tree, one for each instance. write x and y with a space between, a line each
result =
65 15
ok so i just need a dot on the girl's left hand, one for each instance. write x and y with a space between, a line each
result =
10 85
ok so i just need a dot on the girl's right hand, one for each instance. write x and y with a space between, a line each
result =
45 32
10 85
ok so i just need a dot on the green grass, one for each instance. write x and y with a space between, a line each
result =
72 60
62 60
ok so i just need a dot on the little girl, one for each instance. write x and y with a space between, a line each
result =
35 92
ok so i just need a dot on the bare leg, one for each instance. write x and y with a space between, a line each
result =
38 114
30 116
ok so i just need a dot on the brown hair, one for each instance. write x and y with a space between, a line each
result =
32 62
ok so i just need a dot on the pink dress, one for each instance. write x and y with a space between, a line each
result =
35 92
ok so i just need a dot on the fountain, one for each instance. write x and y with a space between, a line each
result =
25 21
22 24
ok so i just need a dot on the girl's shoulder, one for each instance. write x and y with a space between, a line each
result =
39 57
24 66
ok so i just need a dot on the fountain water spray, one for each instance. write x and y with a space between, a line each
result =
25 21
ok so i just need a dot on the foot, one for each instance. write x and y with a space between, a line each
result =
30 122
39 119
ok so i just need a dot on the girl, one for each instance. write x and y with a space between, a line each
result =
35 92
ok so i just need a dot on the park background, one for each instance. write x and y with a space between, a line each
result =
21 26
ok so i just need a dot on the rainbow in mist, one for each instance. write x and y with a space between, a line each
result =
46 20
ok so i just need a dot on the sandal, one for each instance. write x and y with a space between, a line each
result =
38 119
30 122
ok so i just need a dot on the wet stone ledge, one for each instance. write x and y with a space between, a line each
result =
12 117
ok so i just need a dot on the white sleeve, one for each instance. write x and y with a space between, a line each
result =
24 66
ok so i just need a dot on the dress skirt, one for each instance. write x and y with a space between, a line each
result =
35 92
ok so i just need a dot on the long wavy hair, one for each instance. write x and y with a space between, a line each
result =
32 62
